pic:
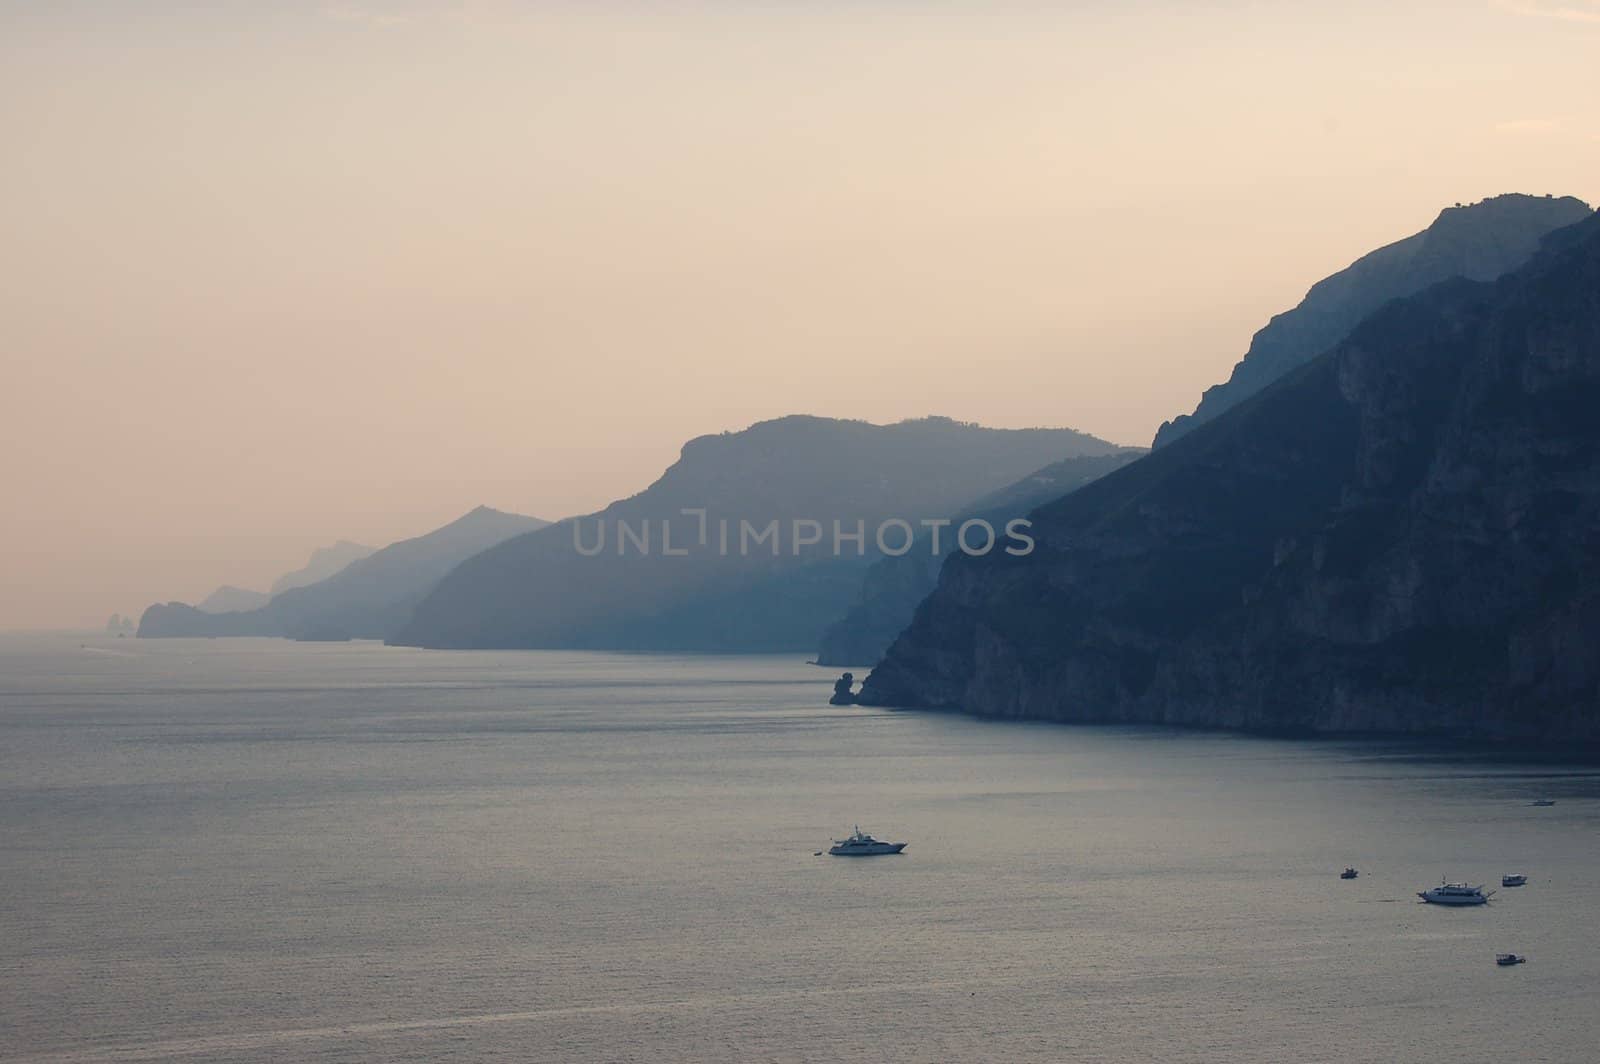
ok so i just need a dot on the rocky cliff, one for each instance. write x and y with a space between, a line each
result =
1402 536
894 585
1480 242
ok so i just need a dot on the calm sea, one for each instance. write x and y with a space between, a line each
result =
244 850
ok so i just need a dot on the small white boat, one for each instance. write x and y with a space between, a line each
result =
1455 894
861 844
1506 960
1513 879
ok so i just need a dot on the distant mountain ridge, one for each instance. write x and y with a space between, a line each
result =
323 563
1479 242
367 598
539 590
1402 535
230 599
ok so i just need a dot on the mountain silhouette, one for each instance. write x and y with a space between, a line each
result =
1480 242
895 584
368 598
1401 535
539 590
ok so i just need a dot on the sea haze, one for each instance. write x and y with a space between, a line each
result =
254 850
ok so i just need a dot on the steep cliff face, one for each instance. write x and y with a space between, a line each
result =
894 585
1402 535
1480 242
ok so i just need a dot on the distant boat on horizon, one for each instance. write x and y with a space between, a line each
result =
1349 873
1544 801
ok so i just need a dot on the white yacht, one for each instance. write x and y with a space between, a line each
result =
1513 879
1454 894
861 844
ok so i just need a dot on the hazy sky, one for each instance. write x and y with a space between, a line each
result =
272 274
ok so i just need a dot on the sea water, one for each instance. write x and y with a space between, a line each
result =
257 850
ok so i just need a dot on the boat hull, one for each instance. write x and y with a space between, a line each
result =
1457 901
882 849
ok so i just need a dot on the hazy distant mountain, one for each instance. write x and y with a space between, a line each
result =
230 599
1402 535
1479 242
366 599
539 590
894 585
324 562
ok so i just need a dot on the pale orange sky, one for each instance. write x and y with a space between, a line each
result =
277 274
